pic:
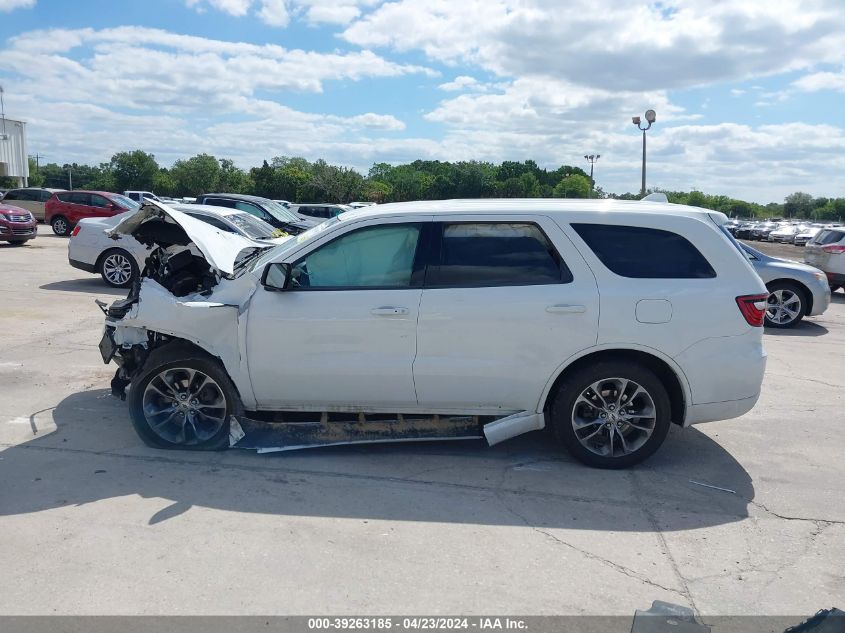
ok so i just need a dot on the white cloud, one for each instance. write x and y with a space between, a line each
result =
815 82
613 44
237 8
11 5
463 83
274 13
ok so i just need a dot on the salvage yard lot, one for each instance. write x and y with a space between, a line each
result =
93 522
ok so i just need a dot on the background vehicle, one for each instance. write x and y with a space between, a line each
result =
138 196
17 225
319 211
33 199
743 231
797 290
284 203
826 251
761 231
119 262
784 234
65 209
263 208
430 310
806 234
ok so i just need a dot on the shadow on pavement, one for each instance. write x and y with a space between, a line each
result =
88 285
804 328
94 455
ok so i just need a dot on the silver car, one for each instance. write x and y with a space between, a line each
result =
797 290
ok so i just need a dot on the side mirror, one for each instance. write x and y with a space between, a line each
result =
275 277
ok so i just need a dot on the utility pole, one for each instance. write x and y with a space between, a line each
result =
70 178
650 117
592 159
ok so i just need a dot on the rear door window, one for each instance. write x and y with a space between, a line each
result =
101 202
220 202
644 253
80 198
482 254
829 237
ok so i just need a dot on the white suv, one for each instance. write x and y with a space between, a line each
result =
606 320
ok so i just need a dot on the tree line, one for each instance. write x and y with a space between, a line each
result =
299 180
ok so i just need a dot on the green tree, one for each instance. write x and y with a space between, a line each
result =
233 179
196 175
164 184
36 178
573 186
798 205
377 191
134 170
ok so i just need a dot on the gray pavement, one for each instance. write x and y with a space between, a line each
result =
93 522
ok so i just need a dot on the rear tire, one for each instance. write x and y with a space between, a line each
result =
613 414
60 225
183 399
118 268
786 305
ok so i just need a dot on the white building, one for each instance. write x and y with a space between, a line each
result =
13 156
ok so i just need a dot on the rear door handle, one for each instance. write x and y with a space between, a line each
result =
390 311
565 308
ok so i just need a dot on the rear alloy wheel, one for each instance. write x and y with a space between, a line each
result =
611 415
60 226
118 268
786 305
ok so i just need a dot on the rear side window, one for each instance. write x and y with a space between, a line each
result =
44 196
80 198
829 237
217 224
220 202
643 253
479 254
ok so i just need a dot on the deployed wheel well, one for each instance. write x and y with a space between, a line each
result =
808 296
658 366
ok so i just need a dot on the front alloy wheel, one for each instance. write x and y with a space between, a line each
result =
183 398
184 406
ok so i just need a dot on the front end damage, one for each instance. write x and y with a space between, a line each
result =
193 292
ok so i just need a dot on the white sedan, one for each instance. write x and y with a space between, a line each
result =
119 261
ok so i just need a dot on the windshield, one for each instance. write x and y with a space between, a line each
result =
273 254
279 212
252 227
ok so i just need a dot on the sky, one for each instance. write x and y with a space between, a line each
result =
749 94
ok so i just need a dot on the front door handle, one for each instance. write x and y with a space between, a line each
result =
565 308
390 311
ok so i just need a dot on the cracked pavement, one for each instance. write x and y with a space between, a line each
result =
93 522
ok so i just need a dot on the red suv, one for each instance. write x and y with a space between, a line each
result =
64 209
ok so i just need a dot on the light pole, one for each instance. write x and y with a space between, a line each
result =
592 159
650 117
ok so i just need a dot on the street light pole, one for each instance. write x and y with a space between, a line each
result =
592 159
650 117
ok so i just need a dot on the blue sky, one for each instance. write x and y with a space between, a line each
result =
749 93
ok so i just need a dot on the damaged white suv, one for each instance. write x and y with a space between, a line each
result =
606 320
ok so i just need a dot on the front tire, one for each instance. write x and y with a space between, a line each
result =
60 225
183 400
118 268
612 414
786 305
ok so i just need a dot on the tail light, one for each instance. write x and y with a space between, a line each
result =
753 308
76 230
836 249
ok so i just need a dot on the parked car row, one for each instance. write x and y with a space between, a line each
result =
798 233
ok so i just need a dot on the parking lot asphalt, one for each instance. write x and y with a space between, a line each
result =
93 522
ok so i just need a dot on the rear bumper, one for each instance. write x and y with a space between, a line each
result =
710 412
88 268
724 375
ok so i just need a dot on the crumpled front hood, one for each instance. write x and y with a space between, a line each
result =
219 248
